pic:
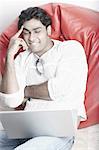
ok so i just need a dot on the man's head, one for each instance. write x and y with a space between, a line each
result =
36 29
34 13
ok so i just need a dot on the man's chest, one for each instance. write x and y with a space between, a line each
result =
40 73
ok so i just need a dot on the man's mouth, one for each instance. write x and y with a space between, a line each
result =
33 43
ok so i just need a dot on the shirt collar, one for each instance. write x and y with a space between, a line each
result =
45 55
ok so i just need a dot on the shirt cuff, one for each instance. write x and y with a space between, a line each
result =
12 100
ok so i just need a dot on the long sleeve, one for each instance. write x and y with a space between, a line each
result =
15 99
69 84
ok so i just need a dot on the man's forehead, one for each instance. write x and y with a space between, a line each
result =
33 24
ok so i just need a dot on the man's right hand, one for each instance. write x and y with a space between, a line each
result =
15 44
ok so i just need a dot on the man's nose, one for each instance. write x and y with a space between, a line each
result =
32 37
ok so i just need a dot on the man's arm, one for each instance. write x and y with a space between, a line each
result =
37 91
9 82
11 94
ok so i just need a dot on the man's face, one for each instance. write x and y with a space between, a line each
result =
35 35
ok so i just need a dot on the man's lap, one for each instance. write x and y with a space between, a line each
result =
37 143
47 143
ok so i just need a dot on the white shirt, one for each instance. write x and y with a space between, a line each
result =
64 66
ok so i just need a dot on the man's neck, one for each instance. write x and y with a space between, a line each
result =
49 46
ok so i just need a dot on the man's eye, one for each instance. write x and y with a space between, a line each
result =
37 31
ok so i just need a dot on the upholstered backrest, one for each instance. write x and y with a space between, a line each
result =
72 22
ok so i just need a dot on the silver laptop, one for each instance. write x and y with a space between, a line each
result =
27 124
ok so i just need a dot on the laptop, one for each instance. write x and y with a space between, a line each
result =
27 124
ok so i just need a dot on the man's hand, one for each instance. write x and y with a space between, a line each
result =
16 43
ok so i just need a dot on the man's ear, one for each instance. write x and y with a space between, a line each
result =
49 30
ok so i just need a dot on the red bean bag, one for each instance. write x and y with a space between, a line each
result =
72 22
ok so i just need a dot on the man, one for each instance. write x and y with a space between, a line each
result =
47 69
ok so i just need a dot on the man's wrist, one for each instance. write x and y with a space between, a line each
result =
9 58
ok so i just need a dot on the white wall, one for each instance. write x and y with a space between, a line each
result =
10 9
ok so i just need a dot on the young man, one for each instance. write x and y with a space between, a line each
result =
47 69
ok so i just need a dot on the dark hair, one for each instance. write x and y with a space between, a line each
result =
36 13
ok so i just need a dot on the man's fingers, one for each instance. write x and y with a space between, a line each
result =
23 43
18 33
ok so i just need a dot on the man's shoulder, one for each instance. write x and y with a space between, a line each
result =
71 47
67 43
68 48
70 43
